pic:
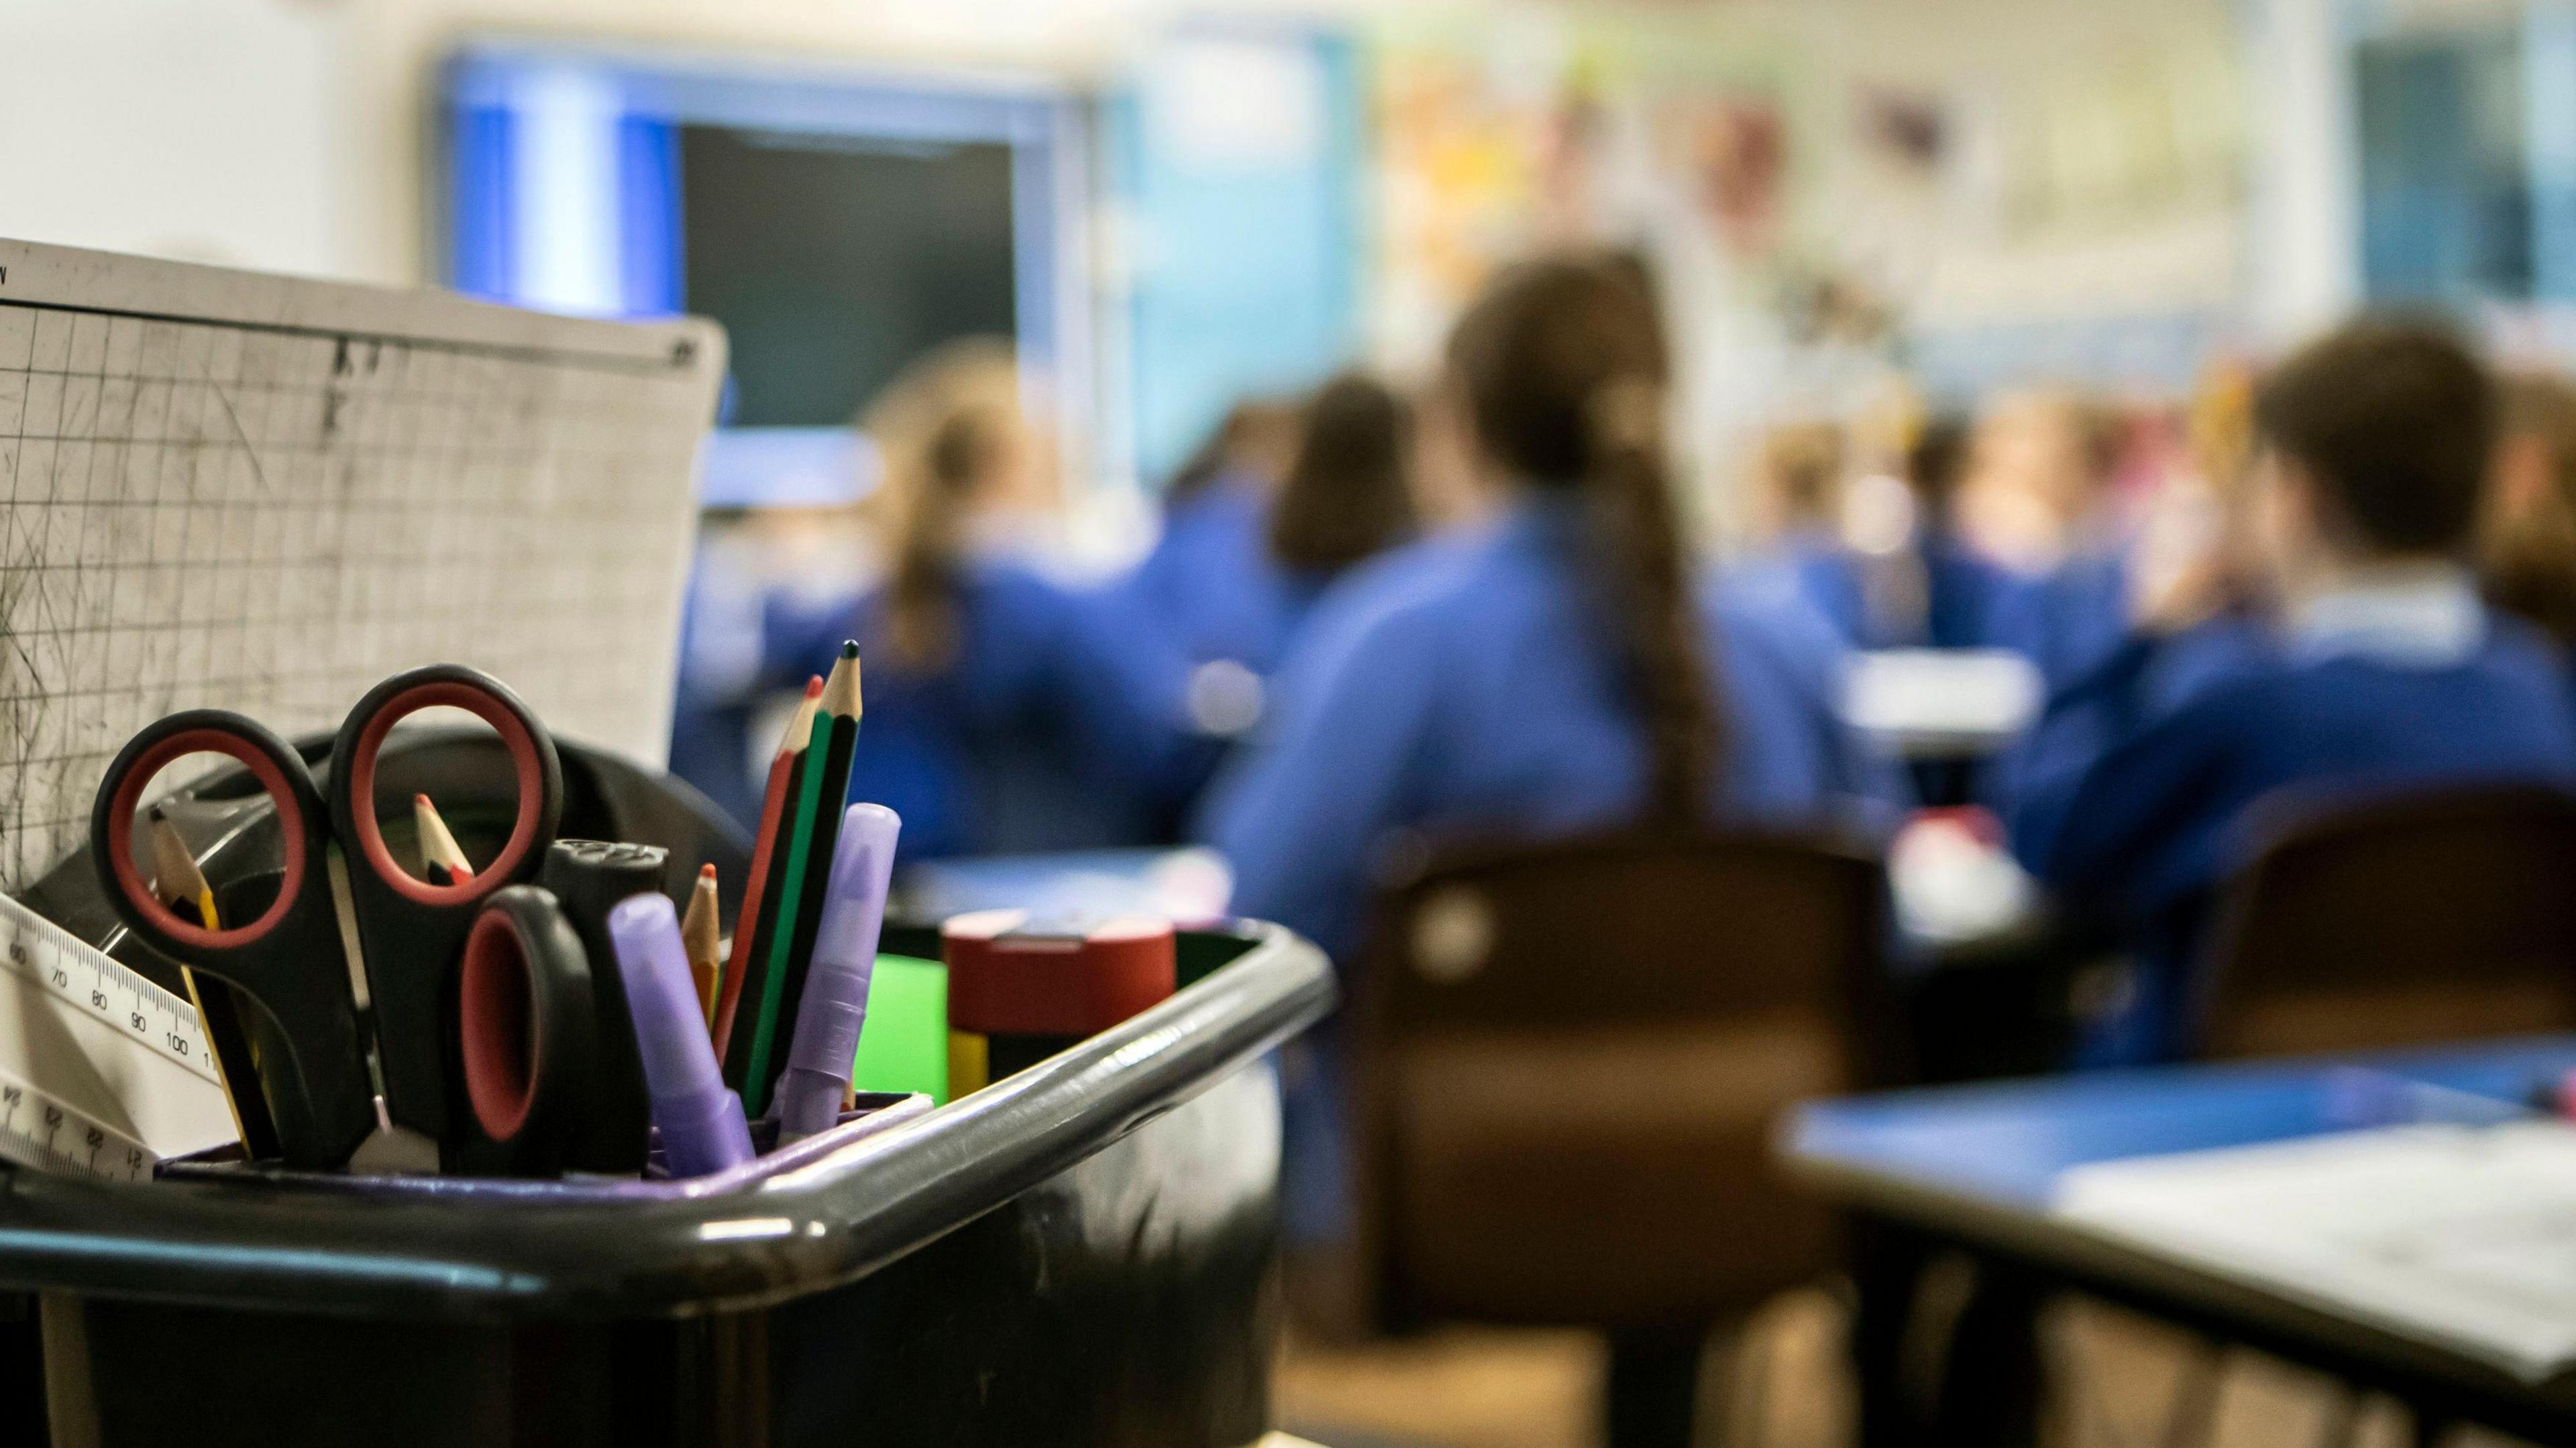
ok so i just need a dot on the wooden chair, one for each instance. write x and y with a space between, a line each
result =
1568 1058
2408 919
2432 916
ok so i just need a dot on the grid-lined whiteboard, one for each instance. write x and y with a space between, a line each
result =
265 494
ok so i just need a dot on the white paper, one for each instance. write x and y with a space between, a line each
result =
2457 1235
1929 699
224 489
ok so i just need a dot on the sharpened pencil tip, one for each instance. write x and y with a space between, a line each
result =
707 872
841 691
814 687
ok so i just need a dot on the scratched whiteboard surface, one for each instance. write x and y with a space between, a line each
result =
223 489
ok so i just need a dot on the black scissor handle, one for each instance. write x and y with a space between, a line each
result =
526 1025
533 761
288 959
411 931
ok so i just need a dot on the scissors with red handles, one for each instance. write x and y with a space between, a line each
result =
290 955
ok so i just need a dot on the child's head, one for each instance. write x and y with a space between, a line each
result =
1255 439
2035 478
952 435
2375 444
1557 374
1349 489
2527 530
957 447
1936 463
1802 478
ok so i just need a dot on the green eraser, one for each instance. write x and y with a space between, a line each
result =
904 1044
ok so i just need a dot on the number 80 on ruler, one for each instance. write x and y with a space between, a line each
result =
102 1072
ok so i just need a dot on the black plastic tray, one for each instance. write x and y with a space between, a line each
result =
1078 1254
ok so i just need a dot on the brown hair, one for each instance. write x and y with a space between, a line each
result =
1936 464
1349 492
1804 464
2395 421
2528 548
941 429
1563 368
1252 434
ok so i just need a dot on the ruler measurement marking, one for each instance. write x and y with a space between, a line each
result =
104 1152
55 961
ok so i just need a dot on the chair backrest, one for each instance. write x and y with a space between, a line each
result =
2433 916
1568 1058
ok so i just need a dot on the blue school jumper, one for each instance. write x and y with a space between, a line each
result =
1464 687
2070 621
721 638
1966 597
1045 730
1211 585
2374 689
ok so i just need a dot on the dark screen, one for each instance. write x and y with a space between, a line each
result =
832 261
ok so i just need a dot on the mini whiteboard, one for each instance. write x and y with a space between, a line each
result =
1937 702
222 489
2457 1235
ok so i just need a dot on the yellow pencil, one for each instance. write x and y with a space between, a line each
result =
176 878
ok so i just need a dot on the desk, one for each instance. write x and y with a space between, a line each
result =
1975 1168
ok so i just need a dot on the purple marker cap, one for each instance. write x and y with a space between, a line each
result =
700 1121
835 1003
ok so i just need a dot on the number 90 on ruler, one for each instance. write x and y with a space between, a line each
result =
102 1072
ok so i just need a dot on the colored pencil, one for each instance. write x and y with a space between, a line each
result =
177 880
699 932
750 927
809 863
175 874
438 848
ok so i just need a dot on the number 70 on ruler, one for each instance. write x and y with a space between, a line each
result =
102 1072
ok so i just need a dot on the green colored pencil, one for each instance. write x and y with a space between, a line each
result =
840 704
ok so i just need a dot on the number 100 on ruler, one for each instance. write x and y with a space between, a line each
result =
102 1073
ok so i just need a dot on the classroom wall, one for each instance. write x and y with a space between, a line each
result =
212 130
287 133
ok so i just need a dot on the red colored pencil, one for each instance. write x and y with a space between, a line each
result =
773 805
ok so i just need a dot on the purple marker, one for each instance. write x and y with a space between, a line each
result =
701 1122
835 1003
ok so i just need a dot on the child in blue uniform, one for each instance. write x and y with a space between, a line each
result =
1215 509
1934 591
1239 565
2384 669
1557 670
1003 712
1238 569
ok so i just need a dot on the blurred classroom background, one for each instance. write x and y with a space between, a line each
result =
2038 248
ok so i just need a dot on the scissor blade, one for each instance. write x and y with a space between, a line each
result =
345 907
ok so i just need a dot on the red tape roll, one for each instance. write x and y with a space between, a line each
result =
1009 978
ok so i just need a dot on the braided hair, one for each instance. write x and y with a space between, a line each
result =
1562 367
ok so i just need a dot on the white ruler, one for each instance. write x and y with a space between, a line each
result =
102 1073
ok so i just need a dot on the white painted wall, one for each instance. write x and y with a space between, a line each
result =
2304 267
210 130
